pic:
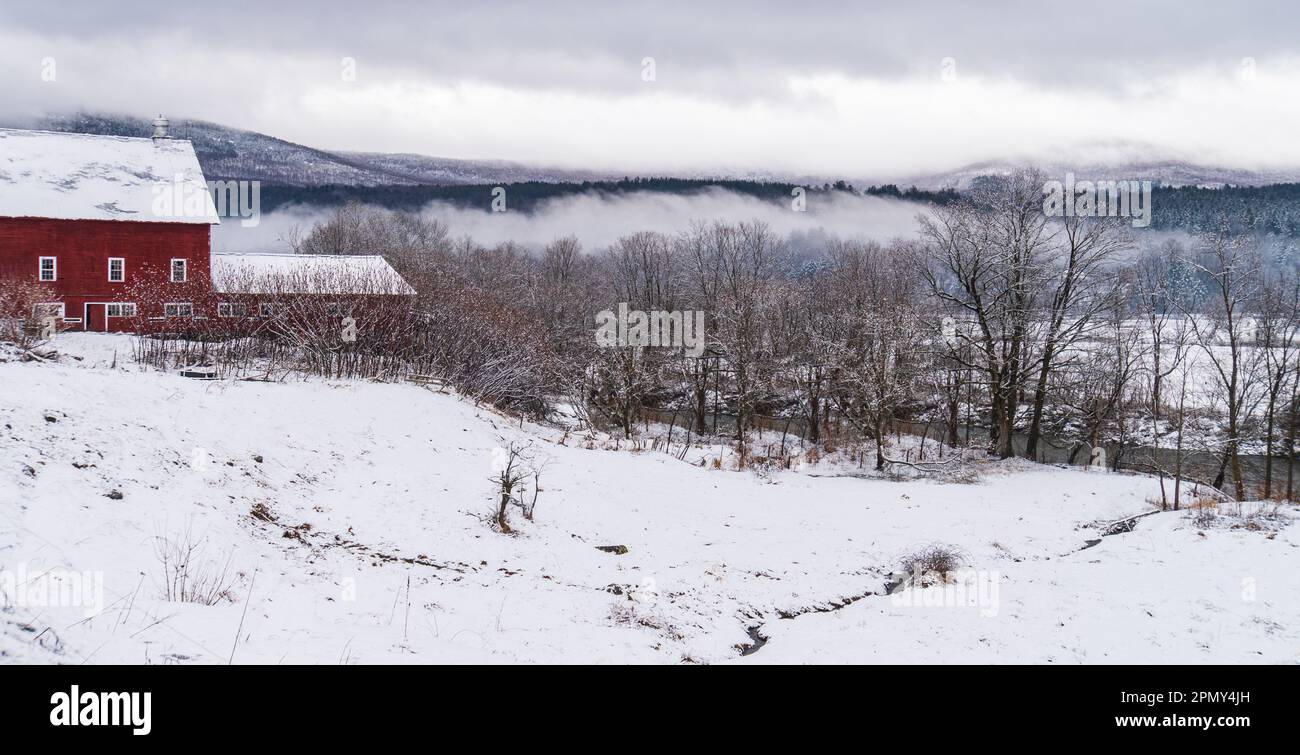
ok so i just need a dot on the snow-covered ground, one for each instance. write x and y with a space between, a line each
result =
351 517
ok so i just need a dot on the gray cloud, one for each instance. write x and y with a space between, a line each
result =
579 45
815 86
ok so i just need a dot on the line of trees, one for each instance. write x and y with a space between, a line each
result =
1033 328
1023 330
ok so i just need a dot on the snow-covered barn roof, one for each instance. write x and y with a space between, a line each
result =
237 273
46 174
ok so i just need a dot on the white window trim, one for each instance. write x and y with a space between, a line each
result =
185 270
266 309
230 309
178 304
130 304
111 260
40 269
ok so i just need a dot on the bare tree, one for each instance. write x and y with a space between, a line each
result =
987 256
642 269
1275 334
1224 330
1080 290
1102 388
513 466
748 255
803 329
344 232
703 271
877 359
1158 281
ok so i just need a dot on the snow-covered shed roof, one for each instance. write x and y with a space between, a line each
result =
47 174
239 273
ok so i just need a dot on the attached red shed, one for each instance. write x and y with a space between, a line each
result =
109 226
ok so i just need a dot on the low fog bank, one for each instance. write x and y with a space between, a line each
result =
600 219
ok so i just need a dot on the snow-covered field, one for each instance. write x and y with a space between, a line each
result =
351 517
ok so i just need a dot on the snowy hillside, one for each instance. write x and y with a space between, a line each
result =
232 153
348 521
443 171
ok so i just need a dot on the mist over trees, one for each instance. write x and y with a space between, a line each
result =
1270 210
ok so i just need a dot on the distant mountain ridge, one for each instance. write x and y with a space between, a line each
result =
230 153
227 153
423 169
1168 172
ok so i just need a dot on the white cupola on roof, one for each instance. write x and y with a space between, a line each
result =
160 125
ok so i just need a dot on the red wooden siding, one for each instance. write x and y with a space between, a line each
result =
83 248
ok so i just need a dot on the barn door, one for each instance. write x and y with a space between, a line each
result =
96 318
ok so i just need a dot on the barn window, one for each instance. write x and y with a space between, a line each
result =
54 309
180 270
232 309
124 309
178 309
116 269
49 268
266 309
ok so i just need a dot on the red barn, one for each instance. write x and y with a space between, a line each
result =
95 220
271 276
306 291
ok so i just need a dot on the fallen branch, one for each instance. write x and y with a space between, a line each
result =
927 466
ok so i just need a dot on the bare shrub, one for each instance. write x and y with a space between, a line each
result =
1205 510
962 473
514 466
490 351
933 560
1266 516
628 613
187 576
474 322
19 301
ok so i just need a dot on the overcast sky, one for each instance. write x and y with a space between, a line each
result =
855 89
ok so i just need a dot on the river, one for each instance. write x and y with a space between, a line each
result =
1198 465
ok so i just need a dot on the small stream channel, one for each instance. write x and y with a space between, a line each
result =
759 640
